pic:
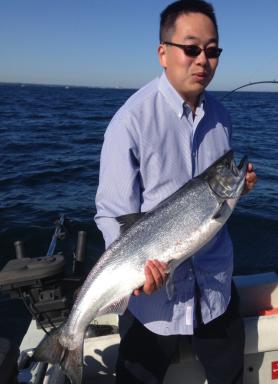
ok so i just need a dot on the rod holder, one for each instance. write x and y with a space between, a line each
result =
19 249
80 253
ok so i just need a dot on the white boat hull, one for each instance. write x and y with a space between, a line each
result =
258 294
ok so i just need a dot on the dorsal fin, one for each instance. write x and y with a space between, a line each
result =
126 221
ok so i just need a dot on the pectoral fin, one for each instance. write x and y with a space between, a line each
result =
221 210
170 287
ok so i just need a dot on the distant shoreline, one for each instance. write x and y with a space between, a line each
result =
68 86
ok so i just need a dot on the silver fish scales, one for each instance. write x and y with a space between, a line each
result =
171 232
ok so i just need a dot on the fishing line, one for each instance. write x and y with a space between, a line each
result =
229 93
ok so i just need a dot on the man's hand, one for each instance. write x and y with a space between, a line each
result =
156 274
250 179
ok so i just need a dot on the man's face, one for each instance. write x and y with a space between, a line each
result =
190 75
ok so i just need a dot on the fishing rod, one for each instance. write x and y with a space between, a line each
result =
229 93
59 233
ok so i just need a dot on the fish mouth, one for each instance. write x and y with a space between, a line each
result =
227 179
240 169
243 163
239 173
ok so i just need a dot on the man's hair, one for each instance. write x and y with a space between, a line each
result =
170 14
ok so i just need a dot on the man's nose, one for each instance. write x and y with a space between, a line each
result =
201 58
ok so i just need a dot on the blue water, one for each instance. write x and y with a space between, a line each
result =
50 140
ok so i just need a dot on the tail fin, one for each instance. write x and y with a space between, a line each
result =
70 360
72 365
49 349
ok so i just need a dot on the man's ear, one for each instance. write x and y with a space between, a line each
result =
162 55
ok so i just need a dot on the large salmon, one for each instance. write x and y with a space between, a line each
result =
171 232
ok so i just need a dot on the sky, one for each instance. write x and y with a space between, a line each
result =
113 43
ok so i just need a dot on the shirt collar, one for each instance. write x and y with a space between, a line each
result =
174 99
199 108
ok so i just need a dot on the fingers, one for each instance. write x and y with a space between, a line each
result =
137 291
250 167
250 178
156 274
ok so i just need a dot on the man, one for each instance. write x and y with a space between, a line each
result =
165 134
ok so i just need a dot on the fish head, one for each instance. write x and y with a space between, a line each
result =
225 178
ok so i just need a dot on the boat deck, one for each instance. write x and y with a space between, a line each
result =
258 294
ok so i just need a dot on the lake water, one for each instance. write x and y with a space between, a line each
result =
50 140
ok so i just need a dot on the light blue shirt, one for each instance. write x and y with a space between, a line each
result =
152 147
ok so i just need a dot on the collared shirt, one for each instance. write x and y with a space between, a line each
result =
154 145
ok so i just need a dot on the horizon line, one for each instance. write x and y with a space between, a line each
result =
67 86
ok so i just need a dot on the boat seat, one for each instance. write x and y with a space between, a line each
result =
258 293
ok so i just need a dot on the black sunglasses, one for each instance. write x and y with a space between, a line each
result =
195 50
